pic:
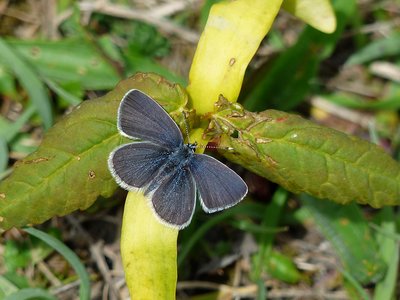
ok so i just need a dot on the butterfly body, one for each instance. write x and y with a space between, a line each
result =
167 170
178 159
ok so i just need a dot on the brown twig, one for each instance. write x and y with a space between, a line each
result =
97 253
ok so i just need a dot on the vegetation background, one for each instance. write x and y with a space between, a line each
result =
275 245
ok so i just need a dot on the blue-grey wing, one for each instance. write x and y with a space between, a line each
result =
174 199
139 116
134 165
218 186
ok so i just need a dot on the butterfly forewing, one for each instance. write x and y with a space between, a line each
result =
174 200
218 186
139 116
135 165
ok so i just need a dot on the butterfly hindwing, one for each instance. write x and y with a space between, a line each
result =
218 186
175 198
140 117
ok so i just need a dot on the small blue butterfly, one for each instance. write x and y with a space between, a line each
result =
167 170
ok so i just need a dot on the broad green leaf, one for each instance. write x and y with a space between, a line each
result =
56 61
304 157
317 13
348 231
69 170
29 80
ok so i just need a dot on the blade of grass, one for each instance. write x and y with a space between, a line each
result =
243 209
248 226
356 285
70 98
387 46
29 80
3 155
346 100
270 220
6 287
285 82
347 229
71 257
30 293
384 232
10 130
262 291
389 250
5 173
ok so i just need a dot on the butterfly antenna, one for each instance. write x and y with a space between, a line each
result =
208 146
186 126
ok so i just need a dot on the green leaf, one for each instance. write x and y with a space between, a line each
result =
56 61
137 62
69 170
6 287
271 219
16 255
388 46
389 251
70 256
285 82
353 288
62 93
304 157
348 231
3 154
281 267
30 293
347 100
7 83
9 130
29 80
248 209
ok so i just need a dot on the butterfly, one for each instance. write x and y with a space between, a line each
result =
166 169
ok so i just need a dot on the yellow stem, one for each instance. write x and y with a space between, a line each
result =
232 35
148 250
